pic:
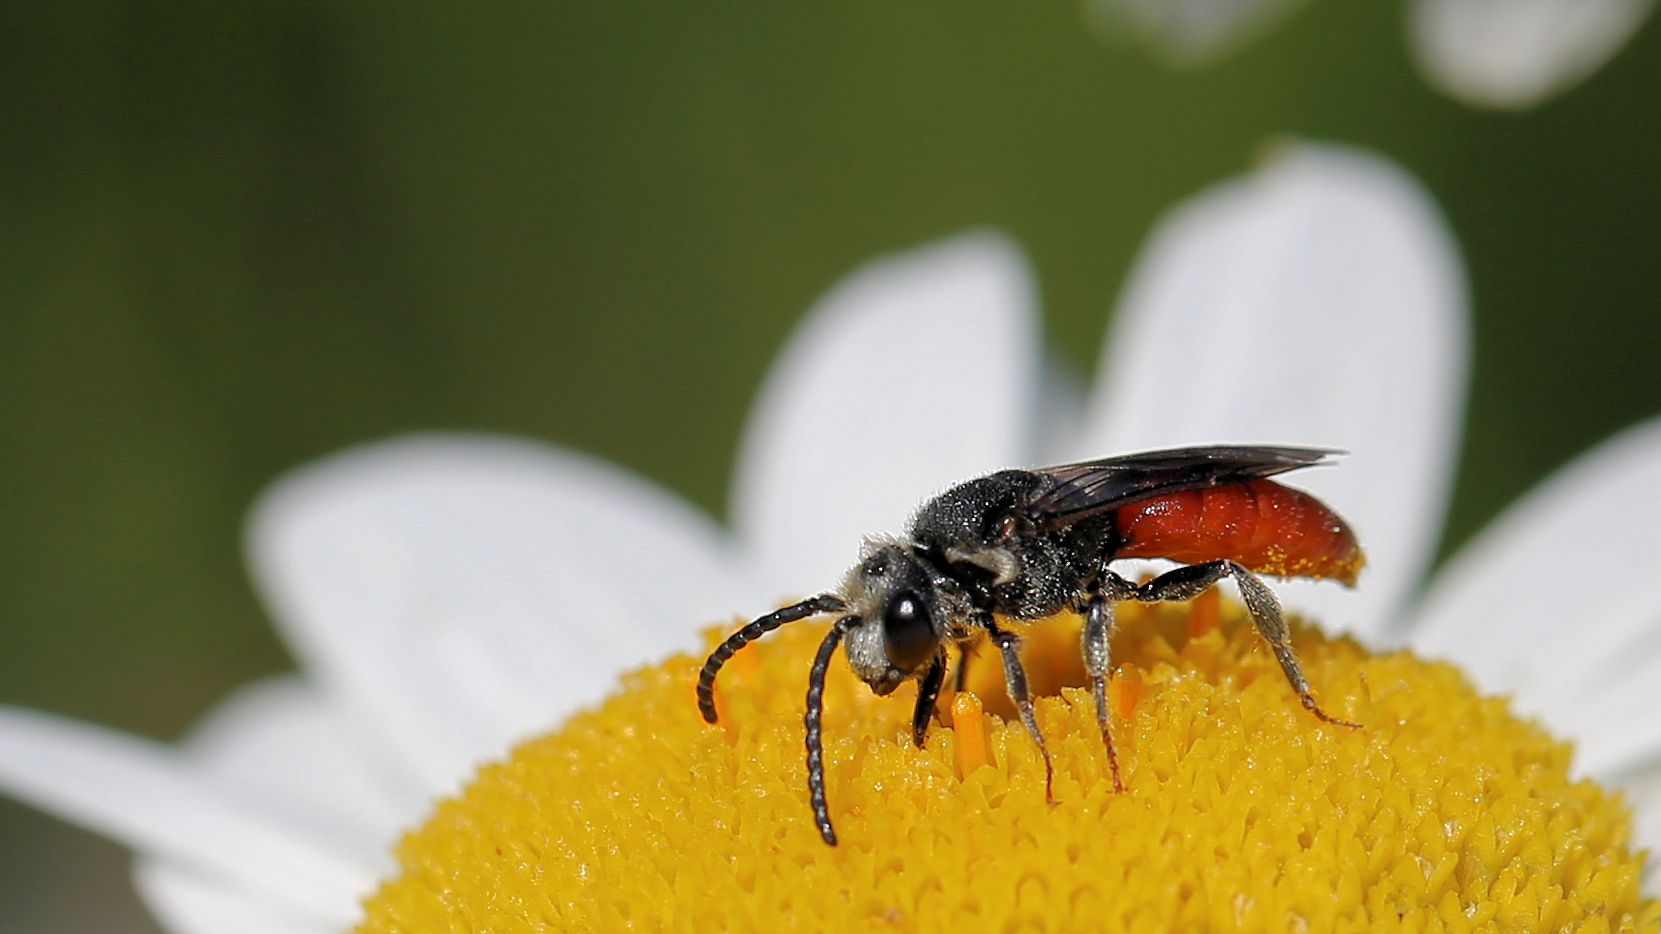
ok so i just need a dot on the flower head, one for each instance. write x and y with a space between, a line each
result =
1240 814
449 597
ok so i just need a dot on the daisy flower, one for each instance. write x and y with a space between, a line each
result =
1487 53
449 597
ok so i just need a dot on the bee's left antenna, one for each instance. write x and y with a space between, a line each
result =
814 721
813 606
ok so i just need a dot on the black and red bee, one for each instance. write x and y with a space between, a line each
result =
1025 544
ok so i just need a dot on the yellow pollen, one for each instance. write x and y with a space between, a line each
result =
1205 613
1443 812
969 731
1124 691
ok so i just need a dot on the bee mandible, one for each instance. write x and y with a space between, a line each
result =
1021 545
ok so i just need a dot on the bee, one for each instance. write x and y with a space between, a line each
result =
1020 545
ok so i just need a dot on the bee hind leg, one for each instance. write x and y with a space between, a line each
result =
1188 582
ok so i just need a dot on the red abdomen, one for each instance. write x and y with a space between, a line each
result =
1267 527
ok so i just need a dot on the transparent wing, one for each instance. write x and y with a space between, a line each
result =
1074 492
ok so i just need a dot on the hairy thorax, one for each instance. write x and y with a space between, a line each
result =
1021 577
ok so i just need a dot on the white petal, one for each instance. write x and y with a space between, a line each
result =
1558 602
916 372
1188 31
456 593
1643 792
1610 733
187 902
1060 412
1319 300
1517 53
278 742
143 795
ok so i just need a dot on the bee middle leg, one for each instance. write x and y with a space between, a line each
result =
1015 682
1097 637
1188 582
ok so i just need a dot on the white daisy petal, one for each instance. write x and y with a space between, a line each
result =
1609 739
1517 53
1538 605
1060 411
143 795
278 742
1188 31
1643 793
459 592
1319 301
916 372
190 903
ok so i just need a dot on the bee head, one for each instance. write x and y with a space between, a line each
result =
900 616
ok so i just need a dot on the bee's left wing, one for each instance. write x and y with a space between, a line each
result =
1073 492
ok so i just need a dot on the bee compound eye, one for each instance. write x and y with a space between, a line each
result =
907 633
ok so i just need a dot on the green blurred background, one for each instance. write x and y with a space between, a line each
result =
236 237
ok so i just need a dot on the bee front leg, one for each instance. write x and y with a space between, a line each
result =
928 692
960 678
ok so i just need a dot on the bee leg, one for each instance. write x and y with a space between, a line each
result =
1097 637
1186 583
1015 681
928 691
960 677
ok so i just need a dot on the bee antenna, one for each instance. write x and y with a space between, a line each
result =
813 720
813 606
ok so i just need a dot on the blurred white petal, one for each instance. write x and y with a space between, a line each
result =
1319 300
1644 795
456 593
144 795
279 742
916 372
1060 414
1610 740
186 902
1188 31
1517 53
1557 602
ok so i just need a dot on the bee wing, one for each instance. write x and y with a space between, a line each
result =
1074 492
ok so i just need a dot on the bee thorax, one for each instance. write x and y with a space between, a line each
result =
1000 562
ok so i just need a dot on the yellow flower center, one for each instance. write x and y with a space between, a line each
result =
1242 811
